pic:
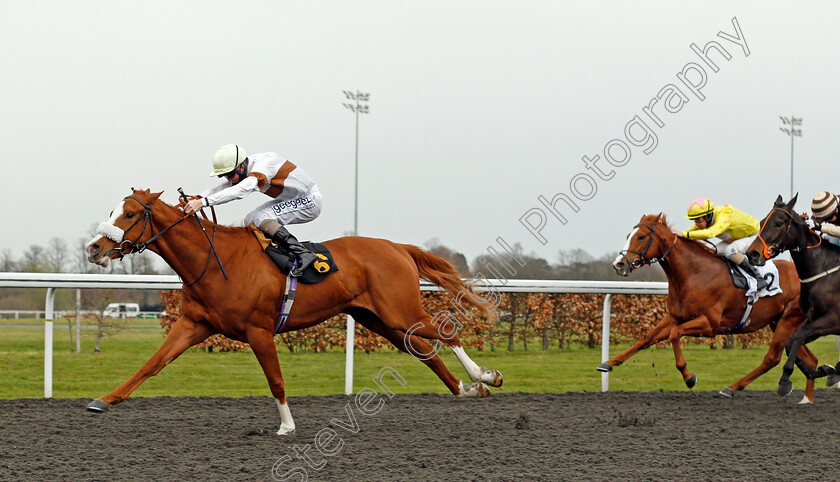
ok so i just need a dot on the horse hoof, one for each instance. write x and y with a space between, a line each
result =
497 379
727 392
604 367
691 381
476 390
785 388
285 431
97 406
832 380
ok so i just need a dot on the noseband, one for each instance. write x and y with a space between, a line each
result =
771 251
126 247
642 259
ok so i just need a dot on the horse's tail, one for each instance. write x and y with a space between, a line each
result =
442 272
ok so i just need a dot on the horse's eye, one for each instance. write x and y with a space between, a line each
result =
641 237
129 215
778 224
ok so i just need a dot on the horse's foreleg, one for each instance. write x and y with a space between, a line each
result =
810 360
659 333
184 334
699 326
824 325
262 343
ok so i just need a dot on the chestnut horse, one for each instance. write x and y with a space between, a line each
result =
377 284
702 300
817 263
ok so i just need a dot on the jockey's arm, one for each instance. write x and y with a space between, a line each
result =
719 227
830 229
230 192
213 190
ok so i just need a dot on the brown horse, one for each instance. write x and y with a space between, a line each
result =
377 283
817 263
702 300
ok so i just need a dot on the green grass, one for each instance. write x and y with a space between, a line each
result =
238 374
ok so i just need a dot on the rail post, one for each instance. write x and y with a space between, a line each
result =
48 342
605 341
349 345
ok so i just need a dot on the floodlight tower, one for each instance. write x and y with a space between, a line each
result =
790 128
358 108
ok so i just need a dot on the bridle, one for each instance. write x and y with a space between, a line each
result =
771 251
642 259
126 246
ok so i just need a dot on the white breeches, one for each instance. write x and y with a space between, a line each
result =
737 246
294 211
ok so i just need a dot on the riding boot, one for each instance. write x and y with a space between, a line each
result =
305 257
750 269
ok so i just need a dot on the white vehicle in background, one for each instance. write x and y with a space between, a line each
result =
122 310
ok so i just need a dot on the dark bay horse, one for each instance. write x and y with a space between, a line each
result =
702 301
378 283
817 263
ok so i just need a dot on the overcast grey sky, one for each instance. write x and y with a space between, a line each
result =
477 108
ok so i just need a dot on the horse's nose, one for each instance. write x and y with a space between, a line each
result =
93 249
752 255
620 268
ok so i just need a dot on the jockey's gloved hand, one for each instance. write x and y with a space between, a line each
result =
182 202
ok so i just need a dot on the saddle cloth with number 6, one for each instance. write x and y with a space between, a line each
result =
317 271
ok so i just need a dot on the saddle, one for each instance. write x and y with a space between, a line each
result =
738 278
315 273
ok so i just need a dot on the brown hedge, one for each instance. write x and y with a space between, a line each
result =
521 320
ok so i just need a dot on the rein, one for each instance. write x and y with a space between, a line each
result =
642 259
126 247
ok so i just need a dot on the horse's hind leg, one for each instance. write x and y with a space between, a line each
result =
446 332
262 343
784 330
428 354
408 316
184 334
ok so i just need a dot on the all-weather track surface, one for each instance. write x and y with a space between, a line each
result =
515 436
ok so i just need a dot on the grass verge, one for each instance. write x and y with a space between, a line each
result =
198 373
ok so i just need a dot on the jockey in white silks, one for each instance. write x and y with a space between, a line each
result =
295 198
825 215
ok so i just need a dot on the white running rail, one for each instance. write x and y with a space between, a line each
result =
53 281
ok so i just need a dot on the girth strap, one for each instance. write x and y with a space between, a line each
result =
288 301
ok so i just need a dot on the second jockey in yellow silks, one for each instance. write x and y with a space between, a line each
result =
735 228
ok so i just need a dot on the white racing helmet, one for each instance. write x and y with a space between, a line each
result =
227 158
